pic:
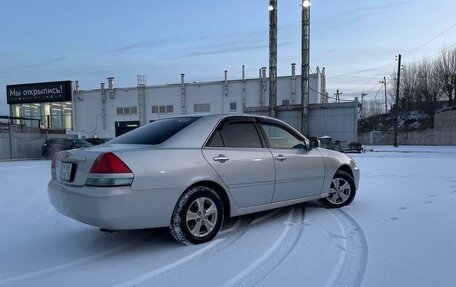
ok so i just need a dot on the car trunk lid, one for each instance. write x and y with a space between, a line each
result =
72 167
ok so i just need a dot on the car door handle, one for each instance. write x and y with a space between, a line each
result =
221 158
281 157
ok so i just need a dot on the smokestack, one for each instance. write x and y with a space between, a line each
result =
103 105
111 83
293 83
244 95
183 98
226 83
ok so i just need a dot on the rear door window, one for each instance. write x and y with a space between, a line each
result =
236 134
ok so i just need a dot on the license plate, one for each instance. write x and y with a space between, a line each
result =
65 173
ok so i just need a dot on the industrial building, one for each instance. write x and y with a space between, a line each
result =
109 111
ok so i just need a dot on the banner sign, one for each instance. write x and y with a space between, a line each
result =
39 92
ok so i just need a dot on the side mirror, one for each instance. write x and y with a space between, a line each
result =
314 142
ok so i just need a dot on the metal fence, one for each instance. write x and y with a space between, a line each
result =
21 138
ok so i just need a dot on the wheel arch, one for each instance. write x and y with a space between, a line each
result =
221 192
346 169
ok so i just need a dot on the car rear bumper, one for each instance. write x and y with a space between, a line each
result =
114 208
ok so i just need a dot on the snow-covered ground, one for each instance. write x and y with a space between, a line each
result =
399 231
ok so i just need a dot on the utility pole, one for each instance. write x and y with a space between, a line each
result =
337 94
396 118
384 83
362 104
305 59
272 57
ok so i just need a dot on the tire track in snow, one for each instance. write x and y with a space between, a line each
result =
78 263
275 255
354 264
208 250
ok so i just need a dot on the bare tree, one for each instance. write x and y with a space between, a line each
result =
427 90
446 73
407 90
373 108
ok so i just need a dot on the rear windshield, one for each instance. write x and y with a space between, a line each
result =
156 132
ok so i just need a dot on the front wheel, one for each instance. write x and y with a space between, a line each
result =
197 216
341 191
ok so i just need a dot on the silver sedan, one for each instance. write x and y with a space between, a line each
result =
191 172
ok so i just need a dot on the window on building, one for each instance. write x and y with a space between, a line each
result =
233 107
163 109
201 108
285 102
127 111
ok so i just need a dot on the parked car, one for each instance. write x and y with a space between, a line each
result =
97 141
51 146
190 172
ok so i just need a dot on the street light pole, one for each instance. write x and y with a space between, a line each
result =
305 59
272 57
398 84
384 83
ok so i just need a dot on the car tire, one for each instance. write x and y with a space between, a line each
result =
197 216
342 190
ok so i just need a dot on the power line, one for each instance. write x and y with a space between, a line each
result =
440 34
378 92
391 63
326 96
351 76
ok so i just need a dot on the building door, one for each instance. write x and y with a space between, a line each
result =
125 126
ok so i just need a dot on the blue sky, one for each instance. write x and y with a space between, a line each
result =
83 40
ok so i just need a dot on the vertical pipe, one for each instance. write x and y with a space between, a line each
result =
244 88
141 86
293 83
183 99
110 83
355 120
73 105
103 105
264 87
323 86
111 87
272 57
225 91
226 84
260 101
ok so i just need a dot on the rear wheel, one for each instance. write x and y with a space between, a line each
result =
198 216
341 191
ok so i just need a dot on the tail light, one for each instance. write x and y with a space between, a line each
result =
109 170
